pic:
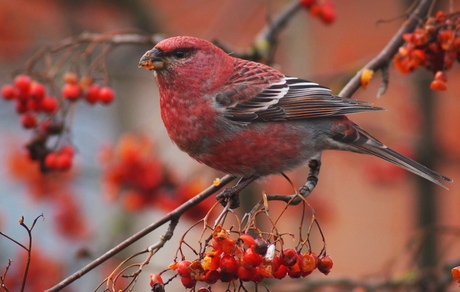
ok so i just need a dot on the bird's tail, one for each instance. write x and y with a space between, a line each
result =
363 142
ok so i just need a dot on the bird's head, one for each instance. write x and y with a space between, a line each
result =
182 55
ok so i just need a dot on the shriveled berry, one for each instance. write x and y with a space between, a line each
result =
261 247
325 264
288 257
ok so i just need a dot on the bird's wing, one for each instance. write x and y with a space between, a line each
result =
287 98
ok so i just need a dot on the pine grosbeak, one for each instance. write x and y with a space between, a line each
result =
248 119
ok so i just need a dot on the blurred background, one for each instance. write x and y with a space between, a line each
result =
379 222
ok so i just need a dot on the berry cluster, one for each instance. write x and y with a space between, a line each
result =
134 174
245 259
435 45
47 114
322 9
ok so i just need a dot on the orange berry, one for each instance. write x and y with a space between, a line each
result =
70 78
438 85
456 274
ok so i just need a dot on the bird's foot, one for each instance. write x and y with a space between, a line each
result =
305 190
231 196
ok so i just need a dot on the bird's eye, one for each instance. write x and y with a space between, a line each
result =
180 54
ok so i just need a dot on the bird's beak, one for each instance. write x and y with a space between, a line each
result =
153 60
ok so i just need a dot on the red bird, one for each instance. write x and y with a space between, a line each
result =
250 120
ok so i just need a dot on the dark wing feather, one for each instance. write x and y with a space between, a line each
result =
291 98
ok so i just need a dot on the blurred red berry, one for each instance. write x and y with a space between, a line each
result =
71 91
9 92
37 91
23 82
28 120
63 161
51 160
92 94
49 104
106 94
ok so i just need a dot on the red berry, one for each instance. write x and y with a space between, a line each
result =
188 282
182 269
33 105
92 94
307 3
106 94
23 82
212 277
67 149
49 104
37 91
281 272
203 289
248 239
251 258
21 106
71 91
325 264
63 161
51 160
288 257
228 264
155 278
328 14
9 92
28 120
245 274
